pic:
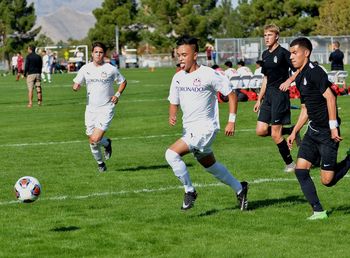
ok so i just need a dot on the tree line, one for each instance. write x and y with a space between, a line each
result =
153 26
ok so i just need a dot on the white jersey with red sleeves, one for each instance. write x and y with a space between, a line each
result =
99 82
195 92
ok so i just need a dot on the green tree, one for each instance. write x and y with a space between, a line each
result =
114 13
17 21
334 18
227 23
166 20
294 17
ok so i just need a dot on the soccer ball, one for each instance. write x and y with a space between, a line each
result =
27 189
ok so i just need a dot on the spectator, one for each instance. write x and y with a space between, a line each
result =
242 69
46 67
230 71
258 67
53 63
19 66
32 71
208 52
336 57
14 64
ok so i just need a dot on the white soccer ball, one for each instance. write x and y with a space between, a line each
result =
27 189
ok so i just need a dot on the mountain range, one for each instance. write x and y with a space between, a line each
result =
64 19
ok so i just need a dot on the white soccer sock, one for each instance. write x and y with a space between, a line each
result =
221 173
180 169
49 77
96 152
104 141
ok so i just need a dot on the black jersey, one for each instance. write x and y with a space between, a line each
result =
276 66
312 82
33 64
336 58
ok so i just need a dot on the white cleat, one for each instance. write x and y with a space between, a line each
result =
290 168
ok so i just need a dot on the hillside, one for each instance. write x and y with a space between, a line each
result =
66 23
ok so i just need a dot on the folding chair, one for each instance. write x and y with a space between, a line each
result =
235 81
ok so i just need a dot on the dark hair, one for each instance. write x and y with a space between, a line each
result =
336 43
259 62
241 62
228 64
188 40
215 66
99 44
302 42
32 48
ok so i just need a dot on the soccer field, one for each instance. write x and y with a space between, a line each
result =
133 210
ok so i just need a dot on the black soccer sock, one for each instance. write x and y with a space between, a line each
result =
340 171
287 130
285 152
308 188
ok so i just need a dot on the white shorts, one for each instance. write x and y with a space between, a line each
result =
199 143
100 118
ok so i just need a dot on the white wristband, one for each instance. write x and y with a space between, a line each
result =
232 117
333 124
117 94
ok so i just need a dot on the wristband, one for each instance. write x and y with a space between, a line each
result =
232 117
117 94
333 124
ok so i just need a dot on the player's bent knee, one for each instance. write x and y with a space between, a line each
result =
94 140
175 161
260 132
38 89
171 156
327 182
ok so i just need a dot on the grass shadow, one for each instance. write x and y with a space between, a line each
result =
65 229
344 208
152 167
254 205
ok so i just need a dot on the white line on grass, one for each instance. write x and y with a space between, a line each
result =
115 138
145 190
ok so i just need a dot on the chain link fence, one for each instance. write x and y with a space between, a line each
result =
250 49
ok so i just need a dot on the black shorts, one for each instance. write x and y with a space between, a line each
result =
318 145
275 109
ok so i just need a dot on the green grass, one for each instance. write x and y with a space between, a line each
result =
134 209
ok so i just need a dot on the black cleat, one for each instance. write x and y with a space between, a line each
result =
108 150
102 167
189 199
242 197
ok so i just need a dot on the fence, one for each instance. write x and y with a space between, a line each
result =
250 49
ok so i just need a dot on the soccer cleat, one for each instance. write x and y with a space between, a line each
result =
242 197
318 215
290 168
102 167
189 199
108 150
298 139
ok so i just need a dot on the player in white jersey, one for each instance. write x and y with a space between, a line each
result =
45 72
101 100
194 89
